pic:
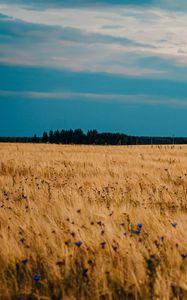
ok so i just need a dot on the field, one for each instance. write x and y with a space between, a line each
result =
91 222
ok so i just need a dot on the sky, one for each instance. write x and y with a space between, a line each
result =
116 65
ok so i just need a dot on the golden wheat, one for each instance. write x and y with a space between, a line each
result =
93 222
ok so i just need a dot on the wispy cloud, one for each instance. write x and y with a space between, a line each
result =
114 41
135 99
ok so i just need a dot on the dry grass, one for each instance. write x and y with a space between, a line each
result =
52 197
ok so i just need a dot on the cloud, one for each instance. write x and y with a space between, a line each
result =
116 40
76 3
149 100
17 29
81 36
51 83
172 5
92 40
58 46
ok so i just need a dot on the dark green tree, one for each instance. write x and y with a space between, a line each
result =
92 136
45 137
35 139
51 137
56 137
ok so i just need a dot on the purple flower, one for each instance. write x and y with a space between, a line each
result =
84 272
174 224
24 261
103 244
184 255
99 223
36 278
78 244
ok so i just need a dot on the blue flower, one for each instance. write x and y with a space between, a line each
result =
174 224
137 232
78 244
140 225
36 278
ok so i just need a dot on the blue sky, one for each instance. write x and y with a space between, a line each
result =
111 65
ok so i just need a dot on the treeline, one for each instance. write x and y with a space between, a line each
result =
18 140
77 136
93 137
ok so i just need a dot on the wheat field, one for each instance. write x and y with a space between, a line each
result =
93 222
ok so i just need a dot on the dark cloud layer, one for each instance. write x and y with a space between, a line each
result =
42 4
17 30
76 3
16 78
14 28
